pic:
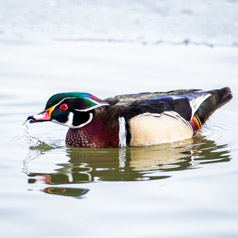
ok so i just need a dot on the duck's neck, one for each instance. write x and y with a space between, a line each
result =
96 134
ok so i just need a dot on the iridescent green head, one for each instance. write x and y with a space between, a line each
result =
71 109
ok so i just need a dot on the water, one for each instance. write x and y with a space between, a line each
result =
31 140
185 189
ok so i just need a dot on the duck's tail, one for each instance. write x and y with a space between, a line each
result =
218 98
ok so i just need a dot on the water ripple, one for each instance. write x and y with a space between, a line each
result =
222 132
128 164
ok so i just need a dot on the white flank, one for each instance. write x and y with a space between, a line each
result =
158 128
122 131
196 102
175 115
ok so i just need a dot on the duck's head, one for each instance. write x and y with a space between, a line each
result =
74 109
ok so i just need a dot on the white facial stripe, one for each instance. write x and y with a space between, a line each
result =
62 101
91 108
94 101
84 110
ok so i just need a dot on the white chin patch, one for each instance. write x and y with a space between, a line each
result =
69 123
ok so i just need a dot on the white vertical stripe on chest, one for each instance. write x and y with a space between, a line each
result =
151 129
122 131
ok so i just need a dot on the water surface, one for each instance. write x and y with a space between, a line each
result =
186 189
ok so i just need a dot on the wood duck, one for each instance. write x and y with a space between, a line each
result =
133 119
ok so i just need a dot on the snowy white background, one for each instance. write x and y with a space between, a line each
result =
213 22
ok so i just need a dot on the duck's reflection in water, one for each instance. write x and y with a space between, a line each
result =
65 191
129 164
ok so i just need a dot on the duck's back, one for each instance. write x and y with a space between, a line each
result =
164 117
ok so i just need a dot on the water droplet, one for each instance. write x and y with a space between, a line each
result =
31 140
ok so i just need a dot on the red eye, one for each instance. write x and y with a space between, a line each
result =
64 107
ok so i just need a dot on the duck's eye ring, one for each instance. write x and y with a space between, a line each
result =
64 107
